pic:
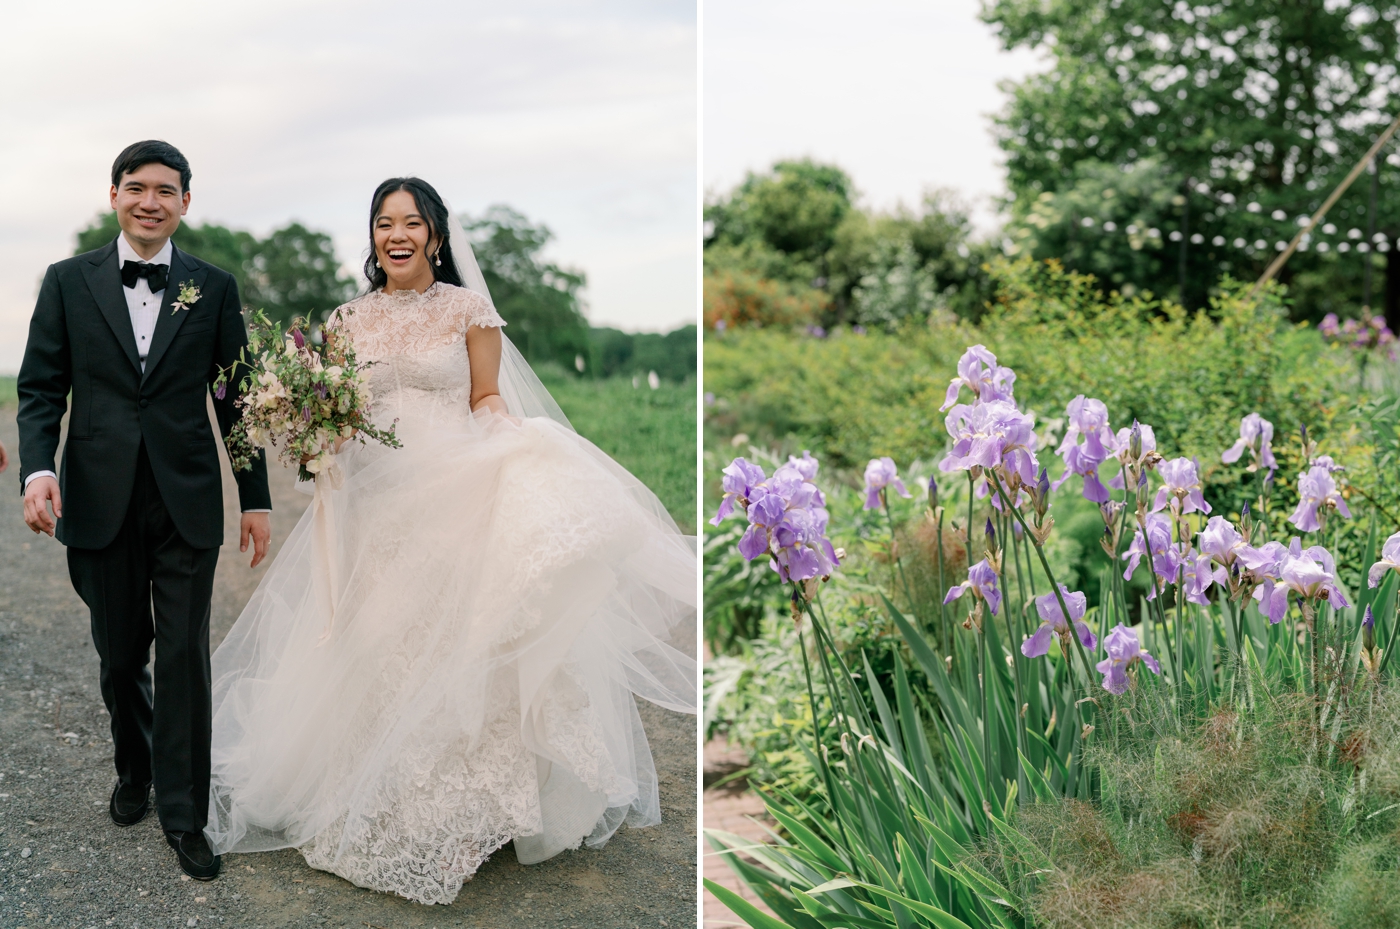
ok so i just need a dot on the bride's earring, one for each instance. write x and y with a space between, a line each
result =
437 258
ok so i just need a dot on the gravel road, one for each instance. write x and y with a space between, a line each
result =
63 862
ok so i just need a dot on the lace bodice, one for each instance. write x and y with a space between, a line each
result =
417 344
405 322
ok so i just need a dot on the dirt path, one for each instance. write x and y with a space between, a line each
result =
63 863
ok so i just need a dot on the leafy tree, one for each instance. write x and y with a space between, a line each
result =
539 299
293 272
672 356
1217 125
791 246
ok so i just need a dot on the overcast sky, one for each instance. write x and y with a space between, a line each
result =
582 115
897 92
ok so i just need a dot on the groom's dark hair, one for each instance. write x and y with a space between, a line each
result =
152 151
432 208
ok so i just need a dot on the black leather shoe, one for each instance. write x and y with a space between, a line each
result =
130 804
197 859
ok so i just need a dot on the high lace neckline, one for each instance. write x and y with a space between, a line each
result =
410 294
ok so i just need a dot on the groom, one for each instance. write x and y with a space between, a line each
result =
135 332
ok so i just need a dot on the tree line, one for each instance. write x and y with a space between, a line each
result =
294 272
1166 146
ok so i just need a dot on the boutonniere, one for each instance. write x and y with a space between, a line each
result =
187 297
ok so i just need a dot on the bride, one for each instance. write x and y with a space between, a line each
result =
444 656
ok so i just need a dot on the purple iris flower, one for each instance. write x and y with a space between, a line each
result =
1221 541
1329 326
978 369
879 474
981 583
1124 651
787 517
1257 435
1390 561
1181 486
1316 490
1312 575
1123 448
1308 573
1326 461
1158 544
1195 573
1052 623
992 435
739 480
806 465
1088 418
1266 565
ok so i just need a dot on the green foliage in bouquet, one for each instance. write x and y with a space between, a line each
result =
299 395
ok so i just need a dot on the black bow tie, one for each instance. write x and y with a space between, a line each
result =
155 274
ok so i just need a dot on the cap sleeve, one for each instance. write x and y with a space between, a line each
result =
475 310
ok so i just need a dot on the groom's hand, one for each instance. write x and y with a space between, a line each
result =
257 527
37 496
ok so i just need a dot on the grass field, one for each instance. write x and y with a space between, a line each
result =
649 432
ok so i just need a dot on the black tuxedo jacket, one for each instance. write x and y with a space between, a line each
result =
81 341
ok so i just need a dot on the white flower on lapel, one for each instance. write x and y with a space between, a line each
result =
188 297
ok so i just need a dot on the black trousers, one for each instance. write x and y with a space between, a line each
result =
147 586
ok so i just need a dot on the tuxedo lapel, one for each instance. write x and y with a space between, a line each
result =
104 280
168 320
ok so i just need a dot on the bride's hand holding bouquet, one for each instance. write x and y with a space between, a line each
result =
304 397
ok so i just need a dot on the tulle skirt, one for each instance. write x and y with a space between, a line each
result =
443 658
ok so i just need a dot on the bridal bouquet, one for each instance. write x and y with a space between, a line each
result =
299 396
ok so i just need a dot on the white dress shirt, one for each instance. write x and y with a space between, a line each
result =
141 303
144 307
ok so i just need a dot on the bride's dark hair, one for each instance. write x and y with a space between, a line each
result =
434 213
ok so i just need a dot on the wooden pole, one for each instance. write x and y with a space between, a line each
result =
1287 253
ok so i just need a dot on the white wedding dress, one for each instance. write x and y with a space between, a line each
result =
496 592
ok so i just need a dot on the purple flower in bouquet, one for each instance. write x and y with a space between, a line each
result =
978 369
1124 651
992 435
1053 623
1390 561
1257 435
298 338
1181 486
221 391
981 583
1088 419
1317 493
879 474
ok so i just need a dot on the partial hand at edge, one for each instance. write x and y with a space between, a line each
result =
41 492
258 527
